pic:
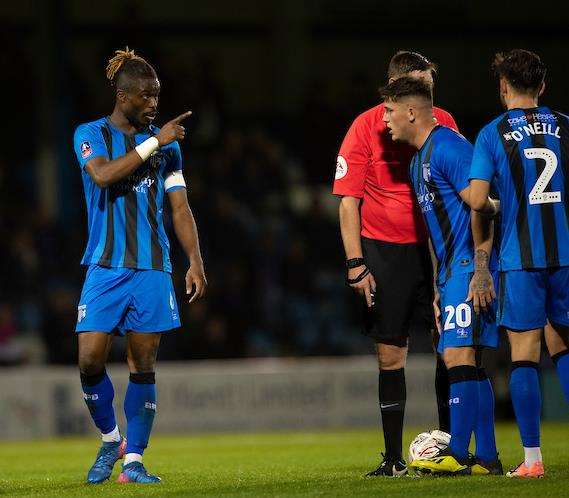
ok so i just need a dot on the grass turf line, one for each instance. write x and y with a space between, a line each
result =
328 463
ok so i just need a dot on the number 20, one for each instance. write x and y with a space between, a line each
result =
463 315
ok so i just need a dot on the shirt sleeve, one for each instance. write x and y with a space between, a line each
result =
456 164
88 143
173 174
353 161
483 166
445 118
451 123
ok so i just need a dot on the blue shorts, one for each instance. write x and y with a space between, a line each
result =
528 298
461 325
124 299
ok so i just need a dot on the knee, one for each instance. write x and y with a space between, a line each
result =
143 361
391 358
455 357
90 365
525 346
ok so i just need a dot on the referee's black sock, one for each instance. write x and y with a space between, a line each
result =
392 397
442 387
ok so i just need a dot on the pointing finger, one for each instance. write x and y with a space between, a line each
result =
181 117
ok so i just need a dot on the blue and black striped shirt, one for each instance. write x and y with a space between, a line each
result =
438 172
525 154
125 220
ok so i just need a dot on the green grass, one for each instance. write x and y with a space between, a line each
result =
276 465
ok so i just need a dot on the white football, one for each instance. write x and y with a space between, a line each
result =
428 445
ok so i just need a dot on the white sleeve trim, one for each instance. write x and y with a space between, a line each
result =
174 179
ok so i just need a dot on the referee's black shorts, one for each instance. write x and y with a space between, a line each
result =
404 296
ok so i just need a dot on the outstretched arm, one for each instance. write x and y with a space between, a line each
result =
187 233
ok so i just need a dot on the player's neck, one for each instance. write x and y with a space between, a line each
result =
521 102
118 119
423 134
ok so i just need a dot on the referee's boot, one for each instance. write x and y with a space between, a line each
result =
481 468
389 467
107 456
445 463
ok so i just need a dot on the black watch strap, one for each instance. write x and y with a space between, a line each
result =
354 263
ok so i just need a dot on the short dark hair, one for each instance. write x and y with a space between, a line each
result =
520 68
406 87
126 67
405 61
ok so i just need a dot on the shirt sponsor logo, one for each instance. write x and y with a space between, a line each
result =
454 401
424 196
536 116
90 397
341 168
427 172
86 150
143 186
81 312
150 406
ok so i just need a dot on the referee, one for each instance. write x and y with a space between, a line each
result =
387 255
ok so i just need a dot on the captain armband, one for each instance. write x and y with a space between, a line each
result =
174 180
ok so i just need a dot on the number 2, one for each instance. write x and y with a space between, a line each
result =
537 194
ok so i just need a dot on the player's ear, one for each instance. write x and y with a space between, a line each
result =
121 96
503 86
411 114
541 89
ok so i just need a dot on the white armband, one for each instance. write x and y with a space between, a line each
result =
146 148
174 179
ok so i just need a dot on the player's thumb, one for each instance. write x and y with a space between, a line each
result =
189 284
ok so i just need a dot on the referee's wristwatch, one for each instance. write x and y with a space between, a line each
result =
354 263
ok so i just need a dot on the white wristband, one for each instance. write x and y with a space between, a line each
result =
146 148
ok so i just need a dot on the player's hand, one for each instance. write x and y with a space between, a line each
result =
365 287
481 290
173 130
437 311
196 283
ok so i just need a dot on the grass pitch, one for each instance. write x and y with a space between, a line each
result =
327 464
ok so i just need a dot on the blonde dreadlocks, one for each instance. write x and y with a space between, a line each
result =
125 65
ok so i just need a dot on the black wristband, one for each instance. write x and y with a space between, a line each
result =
359 278
354 263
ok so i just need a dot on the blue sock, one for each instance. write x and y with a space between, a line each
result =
484 428
98 393
561 361
463 406
526 398
139 408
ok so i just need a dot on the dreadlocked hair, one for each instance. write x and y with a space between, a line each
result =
126 65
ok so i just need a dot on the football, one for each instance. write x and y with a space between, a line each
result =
428 445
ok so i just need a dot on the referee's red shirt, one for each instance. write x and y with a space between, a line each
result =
374 168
